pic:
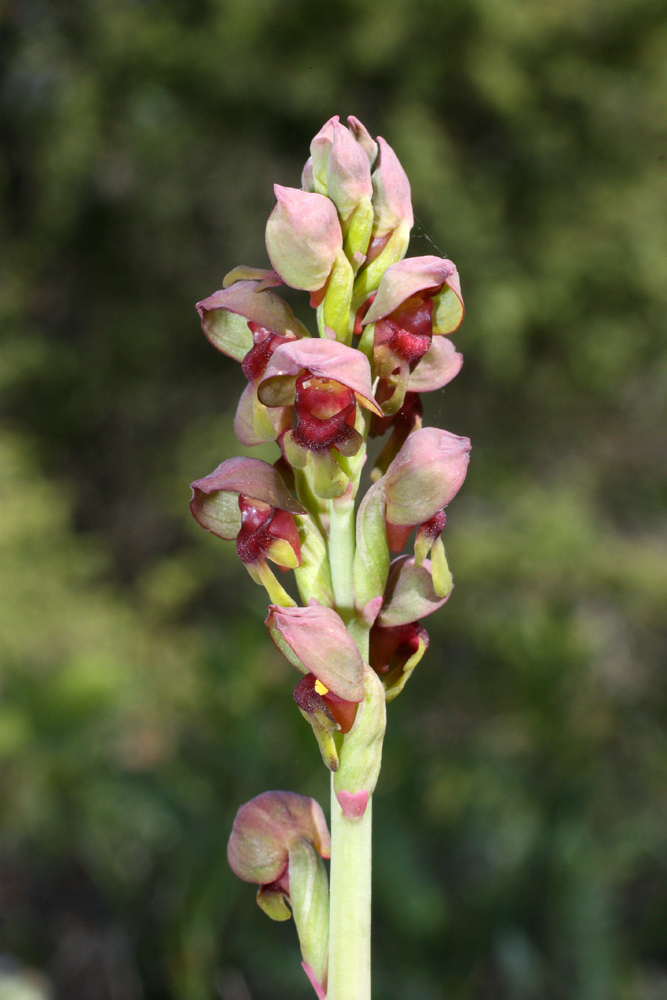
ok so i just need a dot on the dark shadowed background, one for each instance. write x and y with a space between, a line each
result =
521 818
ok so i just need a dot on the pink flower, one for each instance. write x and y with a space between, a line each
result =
425 476
324 381
247 322
417 298
246 499
315 641
266 834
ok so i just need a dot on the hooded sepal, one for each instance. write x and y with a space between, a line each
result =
425 277
323 359
215 503
225 316
424 477
315 640
267 828
303 237
361 752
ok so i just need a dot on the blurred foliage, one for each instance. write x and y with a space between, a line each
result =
521 845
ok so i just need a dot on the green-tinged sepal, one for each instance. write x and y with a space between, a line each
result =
309 899
325 476
361 753
448 306
371 558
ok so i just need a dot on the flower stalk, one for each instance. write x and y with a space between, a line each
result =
378 340
350 904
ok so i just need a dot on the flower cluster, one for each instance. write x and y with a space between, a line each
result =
381 340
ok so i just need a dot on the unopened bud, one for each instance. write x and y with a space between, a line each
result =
303 235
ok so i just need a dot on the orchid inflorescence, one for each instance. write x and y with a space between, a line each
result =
382 325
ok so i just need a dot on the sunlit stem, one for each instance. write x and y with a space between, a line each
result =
341 553
350 905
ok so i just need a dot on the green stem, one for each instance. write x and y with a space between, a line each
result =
349 975
341 554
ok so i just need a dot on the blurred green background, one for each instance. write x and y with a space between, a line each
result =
521 818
